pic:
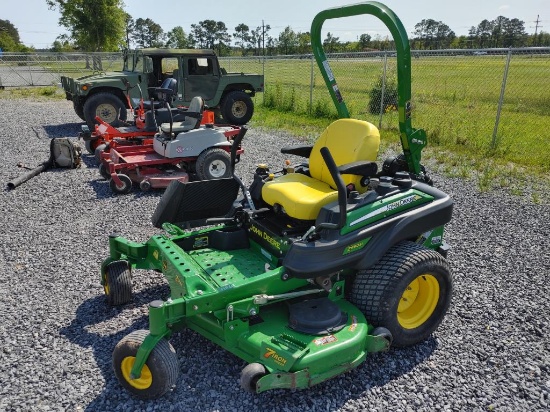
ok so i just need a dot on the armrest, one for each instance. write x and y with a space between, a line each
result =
195 115
158 90
303 151
360 168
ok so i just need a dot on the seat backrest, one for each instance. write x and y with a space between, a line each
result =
170 84
196 105
348 140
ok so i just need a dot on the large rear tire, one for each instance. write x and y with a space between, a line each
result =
237 107
159 374
79 109
105 105
408 292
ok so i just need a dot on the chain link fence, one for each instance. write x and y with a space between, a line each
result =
46 69
489 99
494 101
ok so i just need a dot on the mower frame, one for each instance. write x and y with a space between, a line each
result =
237 280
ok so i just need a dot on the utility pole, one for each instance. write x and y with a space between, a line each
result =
537 25
536 30
263 37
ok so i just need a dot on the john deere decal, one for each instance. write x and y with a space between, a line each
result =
387 208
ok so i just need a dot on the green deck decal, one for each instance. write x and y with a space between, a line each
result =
356 246
384 208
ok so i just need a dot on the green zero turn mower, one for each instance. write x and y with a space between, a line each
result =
306 271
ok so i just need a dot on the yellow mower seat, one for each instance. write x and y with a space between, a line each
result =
301 196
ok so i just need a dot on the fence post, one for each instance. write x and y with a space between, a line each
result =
311 80
501 99
27 57
383 90
263 74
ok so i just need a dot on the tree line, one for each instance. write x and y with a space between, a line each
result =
104 26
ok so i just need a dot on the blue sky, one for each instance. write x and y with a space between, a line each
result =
39 26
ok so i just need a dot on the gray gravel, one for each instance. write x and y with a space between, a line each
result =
57 334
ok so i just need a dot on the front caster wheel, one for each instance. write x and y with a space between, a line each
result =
250 376
125 186
104 171
383 333
145 185
91 145
158 375
99 150
117 283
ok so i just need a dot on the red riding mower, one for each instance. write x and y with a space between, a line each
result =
147 116
180 148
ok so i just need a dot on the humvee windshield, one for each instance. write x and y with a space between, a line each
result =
132 63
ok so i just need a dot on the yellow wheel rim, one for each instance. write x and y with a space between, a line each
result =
144 381
418 301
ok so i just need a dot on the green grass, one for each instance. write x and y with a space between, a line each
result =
49 92
455 100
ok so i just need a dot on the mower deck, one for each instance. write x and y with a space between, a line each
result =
299 360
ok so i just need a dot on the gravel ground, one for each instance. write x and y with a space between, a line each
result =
492 351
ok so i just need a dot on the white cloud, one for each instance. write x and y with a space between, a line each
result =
504 7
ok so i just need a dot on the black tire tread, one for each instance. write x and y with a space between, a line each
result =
227 102
88 146
103 171
201 166
372 288
79 109
119 278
